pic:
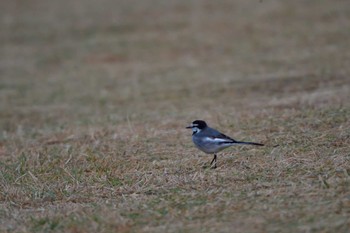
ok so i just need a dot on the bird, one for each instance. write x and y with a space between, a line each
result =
211 141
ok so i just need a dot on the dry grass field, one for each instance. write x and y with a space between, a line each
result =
95 97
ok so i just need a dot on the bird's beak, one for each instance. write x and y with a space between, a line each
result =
189 127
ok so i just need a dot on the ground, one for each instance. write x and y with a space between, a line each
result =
96 95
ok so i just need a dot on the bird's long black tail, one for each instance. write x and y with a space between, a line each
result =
249 143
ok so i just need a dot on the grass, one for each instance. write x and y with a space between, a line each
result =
95 98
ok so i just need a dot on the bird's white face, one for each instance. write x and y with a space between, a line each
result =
194 128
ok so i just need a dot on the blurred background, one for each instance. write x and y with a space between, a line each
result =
69 63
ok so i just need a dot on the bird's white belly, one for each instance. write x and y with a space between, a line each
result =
210 145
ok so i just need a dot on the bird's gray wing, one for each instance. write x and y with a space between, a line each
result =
213 133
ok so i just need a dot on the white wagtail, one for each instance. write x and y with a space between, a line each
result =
212 141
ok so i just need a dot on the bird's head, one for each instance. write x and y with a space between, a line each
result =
197 126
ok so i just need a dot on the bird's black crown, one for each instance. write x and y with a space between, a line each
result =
199 124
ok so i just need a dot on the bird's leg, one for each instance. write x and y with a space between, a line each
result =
213 161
